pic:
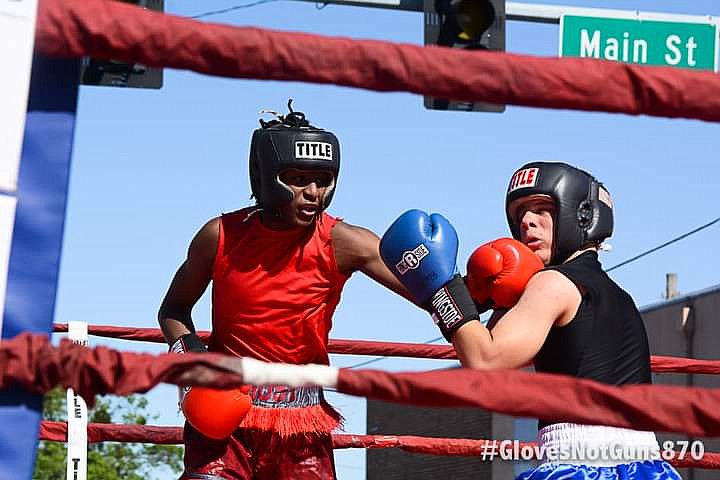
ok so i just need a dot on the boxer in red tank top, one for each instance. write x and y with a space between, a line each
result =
277 272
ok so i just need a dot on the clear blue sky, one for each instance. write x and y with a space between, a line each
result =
150 167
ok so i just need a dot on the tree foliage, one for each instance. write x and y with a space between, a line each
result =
107 460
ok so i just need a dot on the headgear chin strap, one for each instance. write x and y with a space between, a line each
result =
584 208
290 142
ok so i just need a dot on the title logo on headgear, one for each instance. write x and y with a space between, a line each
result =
527 177
314 150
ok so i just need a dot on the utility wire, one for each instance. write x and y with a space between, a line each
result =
377 359
231 9
630 260
670 242
318 5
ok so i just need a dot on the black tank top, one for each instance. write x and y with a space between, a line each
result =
606 340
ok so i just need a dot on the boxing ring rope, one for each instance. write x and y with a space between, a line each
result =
33 363
100 432
58 431
659 364
76 28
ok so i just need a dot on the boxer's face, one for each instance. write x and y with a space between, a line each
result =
309 188
535 216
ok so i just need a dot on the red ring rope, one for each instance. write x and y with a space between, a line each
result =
659 364
102 432
33 363
77 28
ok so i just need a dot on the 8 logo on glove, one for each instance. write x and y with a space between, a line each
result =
411 259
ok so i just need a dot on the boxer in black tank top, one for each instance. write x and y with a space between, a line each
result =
606 339
570 319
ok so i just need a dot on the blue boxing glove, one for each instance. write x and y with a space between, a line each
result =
421 251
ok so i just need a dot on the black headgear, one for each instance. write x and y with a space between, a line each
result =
584 208
290 142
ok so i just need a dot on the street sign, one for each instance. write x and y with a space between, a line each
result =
639 41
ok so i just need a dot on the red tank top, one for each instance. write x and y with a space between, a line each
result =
274 291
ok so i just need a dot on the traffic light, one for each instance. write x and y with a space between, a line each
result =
467 24
112 73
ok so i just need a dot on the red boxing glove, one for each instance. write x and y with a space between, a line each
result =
499 270
216 413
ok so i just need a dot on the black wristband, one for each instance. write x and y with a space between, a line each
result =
189 342
452 307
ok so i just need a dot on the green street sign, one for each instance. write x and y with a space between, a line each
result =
643 42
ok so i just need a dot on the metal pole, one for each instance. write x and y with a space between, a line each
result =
671 283
532 12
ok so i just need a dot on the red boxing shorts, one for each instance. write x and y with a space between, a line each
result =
286 435
258 455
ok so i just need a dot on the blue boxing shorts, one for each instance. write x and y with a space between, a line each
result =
588 452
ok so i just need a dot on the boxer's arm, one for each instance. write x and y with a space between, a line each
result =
357 249
516 338
189 283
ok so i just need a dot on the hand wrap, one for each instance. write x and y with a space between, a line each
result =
189 342
452 307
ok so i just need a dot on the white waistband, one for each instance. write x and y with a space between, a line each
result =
596 445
